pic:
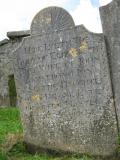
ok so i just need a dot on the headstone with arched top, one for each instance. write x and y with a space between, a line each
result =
64 88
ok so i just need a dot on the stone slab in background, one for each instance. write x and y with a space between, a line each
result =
17 34
110 16
6 69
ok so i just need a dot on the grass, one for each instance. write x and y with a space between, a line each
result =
9 122
11 140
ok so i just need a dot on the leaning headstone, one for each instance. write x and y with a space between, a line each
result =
64 88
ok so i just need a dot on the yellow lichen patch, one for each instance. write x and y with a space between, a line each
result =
36 98
83 46
73 52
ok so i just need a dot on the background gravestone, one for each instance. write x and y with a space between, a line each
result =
8 95
110 16
64 88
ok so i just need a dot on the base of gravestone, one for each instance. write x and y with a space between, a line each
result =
33 149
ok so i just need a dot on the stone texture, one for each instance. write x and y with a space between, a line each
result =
64 87
110 16
6 69
18 34
5 41
50 20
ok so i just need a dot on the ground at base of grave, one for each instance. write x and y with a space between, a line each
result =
12 146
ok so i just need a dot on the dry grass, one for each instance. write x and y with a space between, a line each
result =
11 140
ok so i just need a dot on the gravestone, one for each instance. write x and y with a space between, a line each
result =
64 88
110 16
7 86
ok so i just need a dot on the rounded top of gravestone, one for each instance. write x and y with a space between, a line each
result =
51 19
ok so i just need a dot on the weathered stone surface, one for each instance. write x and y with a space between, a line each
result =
110 16
4 42
50 20
64 88
17 34
6 69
